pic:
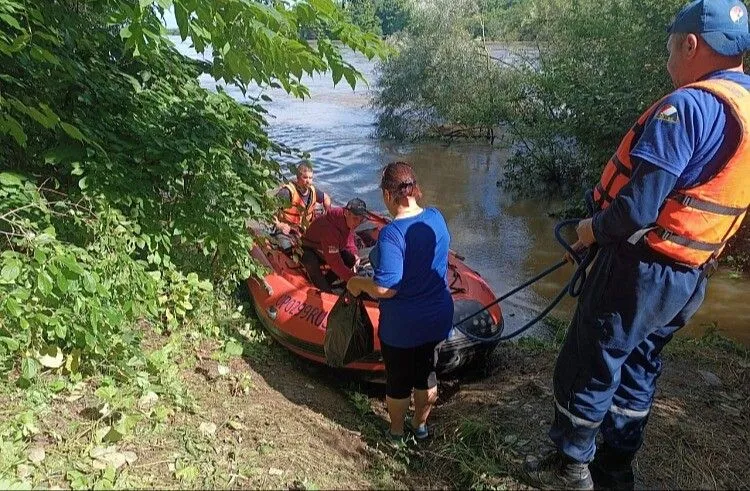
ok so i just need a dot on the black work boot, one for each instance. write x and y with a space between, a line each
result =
557 471
613 469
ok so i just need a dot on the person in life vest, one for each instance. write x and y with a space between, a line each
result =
301 199
675 191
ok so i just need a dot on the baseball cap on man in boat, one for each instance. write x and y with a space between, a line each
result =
357 206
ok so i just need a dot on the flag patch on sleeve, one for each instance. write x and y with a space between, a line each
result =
668 113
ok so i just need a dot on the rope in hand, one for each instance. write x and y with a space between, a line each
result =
574 287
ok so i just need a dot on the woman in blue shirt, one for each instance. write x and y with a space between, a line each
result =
416 308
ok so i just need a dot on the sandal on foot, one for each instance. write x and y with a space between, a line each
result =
420 432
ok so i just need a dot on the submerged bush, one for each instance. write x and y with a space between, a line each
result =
597 66
441 76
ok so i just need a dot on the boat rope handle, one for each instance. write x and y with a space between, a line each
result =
574 287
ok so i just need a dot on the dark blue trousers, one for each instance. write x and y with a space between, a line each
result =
605 376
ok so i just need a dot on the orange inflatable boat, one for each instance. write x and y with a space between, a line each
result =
295 313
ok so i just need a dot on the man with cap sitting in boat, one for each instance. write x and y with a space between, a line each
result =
676 189
301 200
330 240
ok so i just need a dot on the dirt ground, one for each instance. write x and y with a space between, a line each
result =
324 430
698 434
280 422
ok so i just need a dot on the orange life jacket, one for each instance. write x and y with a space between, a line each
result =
695 223
298 213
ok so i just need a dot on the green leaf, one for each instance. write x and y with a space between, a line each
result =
9 179
89 282
41 54
13 307
40 118
19 43
73 361
48 119
10 271
72 265
10 343
338 72
58 385
60 331
233 348
187 474
77 169
181 16
40 256
351 78
62 283
10 20
44 283
133 81
49 113
29 368
44 238
72 131
10 125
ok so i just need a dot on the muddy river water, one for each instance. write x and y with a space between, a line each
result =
506 239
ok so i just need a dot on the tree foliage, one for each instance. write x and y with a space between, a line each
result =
441 76
600 65
384 17
125 187
362 13
394 15
504 20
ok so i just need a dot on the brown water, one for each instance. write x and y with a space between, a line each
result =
507 240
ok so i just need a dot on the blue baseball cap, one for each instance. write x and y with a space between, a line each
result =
721 23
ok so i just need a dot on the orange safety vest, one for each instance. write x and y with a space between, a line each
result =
695 223
298 213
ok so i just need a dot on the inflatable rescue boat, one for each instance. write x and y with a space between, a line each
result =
295 312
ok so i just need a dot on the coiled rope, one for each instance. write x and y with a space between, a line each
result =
574 287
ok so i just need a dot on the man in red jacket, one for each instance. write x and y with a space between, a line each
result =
330 240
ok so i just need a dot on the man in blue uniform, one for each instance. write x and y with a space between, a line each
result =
635 299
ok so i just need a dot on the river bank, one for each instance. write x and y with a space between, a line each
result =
242 412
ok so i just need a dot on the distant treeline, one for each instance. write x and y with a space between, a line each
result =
490 19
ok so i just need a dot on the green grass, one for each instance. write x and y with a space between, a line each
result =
75 418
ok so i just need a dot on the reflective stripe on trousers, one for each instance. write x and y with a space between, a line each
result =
605 375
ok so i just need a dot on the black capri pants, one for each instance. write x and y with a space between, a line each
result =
409 368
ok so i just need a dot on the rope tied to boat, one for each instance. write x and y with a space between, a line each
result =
574 287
